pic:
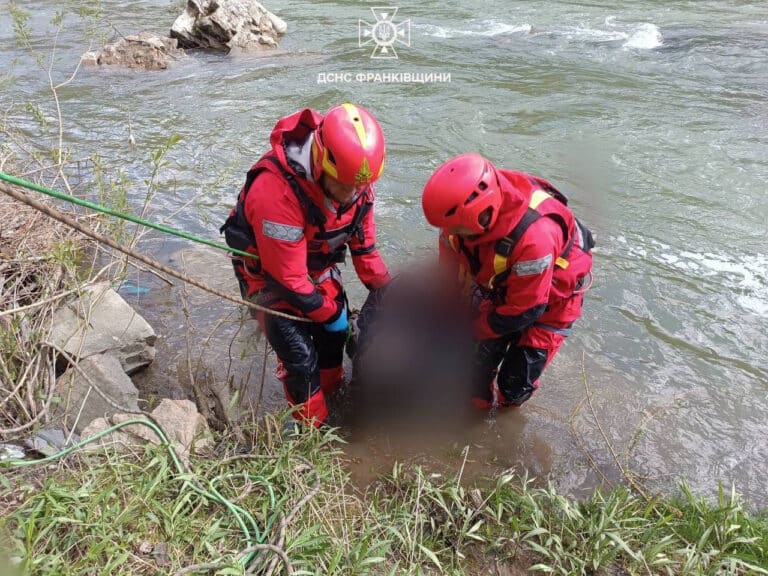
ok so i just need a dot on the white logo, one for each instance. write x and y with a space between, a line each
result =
384 33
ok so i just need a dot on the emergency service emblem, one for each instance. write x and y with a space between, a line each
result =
383 33
364 174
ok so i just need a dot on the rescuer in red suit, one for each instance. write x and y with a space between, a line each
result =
523 259
303 204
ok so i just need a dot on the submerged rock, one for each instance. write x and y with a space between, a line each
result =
145 51
227 25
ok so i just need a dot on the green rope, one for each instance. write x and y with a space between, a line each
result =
99 208
242 516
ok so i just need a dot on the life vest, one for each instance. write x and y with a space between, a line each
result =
324 247
573 265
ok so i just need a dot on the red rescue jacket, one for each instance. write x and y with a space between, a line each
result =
531 267
298 233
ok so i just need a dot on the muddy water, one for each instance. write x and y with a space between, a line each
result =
652 117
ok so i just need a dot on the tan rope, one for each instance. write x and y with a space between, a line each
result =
64 219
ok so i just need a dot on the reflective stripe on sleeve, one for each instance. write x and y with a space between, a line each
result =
283 232
532 267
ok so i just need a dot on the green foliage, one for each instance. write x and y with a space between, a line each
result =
92 10
112 192
158 159
721 537
114 510
20 23
68 254
92 15
37 115
6 79
157 156
9 347
58 18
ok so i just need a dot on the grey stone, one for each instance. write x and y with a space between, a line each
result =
49 441
180 421
119 438
11 452
228 25
82 404
145 51
101 321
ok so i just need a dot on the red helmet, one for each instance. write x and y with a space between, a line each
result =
349 146
459 191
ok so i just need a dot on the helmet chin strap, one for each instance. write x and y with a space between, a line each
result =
321 182
342 205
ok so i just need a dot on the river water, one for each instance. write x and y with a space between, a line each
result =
652 117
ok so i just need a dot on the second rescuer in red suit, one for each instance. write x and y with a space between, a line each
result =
304 204
525 261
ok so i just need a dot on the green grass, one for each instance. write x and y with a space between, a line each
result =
112 513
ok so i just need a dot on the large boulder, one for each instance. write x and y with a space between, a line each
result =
101 321
227 25
145 51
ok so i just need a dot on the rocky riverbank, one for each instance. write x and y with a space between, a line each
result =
70 346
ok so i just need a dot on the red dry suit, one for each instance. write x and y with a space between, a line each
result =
527 276
299 235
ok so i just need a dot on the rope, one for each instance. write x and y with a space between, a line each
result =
64 219
244 519
105 210
247 523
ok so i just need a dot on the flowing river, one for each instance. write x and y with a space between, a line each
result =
652 117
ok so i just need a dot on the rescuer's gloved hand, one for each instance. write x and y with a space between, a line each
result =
338 325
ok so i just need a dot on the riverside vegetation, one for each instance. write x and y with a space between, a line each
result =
113 512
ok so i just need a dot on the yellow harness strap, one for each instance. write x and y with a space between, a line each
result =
501 261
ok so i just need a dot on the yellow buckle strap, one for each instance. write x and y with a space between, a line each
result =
537 198
499 264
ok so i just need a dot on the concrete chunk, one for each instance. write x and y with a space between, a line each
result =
100 321
82 403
